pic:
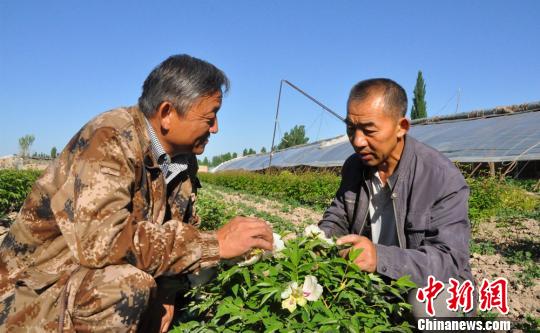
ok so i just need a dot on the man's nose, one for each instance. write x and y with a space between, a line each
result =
359 139
214 129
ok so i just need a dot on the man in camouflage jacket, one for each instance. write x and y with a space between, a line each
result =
111 223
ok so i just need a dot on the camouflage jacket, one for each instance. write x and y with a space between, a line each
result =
104 202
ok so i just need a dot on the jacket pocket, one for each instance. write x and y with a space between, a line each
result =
109 168
416 226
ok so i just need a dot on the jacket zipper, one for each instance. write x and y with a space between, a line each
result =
394 196
367 210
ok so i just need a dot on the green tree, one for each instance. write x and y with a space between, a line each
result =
53 152
234 155
25 143
296 136
263 150
205 161
419 109
244 152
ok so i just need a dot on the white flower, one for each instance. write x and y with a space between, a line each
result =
293 295
314 231
253 257
257 254
279 244
312 290
289 290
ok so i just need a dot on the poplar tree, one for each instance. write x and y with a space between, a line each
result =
418 109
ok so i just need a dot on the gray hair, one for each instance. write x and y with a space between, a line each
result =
181 80
395 97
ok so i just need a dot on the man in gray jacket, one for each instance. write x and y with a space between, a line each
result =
402 202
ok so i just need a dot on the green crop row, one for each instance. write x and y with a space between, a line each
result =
311 189
214 212
489 197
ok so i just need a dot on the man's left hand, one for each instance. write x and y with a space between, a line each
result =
367 260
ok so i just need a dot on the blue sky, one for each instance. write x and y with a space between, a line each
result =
63 62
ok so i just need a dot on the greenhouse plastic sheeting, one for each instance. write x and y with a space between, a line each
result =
511 137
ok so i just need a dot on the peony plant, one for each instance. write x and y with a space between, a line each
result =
303 286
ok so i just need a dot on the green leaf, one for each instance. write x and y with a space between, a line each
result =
267 296
354 253
247 277
405 282
234 289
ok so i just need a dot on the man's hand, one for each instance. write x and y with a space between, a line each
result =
160 311
241 234
367 260
167 318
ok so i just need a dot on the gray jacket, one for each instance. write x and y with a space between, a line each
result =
430 204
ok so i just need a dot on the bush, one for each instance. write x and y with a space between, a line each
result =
340 297
491 197
213 213
14 187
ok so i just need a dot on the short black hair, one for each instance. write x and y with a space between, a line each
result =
181 79
395 97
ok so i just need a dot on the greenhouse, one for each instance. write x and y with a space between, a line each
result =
505 134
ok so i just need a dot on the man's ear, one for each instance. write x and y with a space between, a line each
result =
403 127
165 112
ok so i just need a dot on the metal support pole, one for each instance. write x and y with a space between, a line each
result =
275 124
277 112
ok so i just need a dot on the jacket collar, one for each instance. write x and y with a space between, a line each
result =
144 138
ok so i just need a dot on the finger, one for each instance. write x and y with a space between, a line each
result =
260 231
268 236
250 219
349 239
261 244
344 253
259 223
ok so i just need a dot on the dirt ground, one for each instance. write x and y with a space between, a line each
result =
522 235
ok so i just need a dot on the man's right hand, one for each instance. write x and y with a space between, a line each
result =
241 234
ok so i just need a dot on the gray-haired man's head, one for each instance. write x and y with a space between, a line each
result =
181 80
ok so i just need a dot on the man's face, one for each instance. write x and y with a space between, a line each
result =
190 132
373 133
